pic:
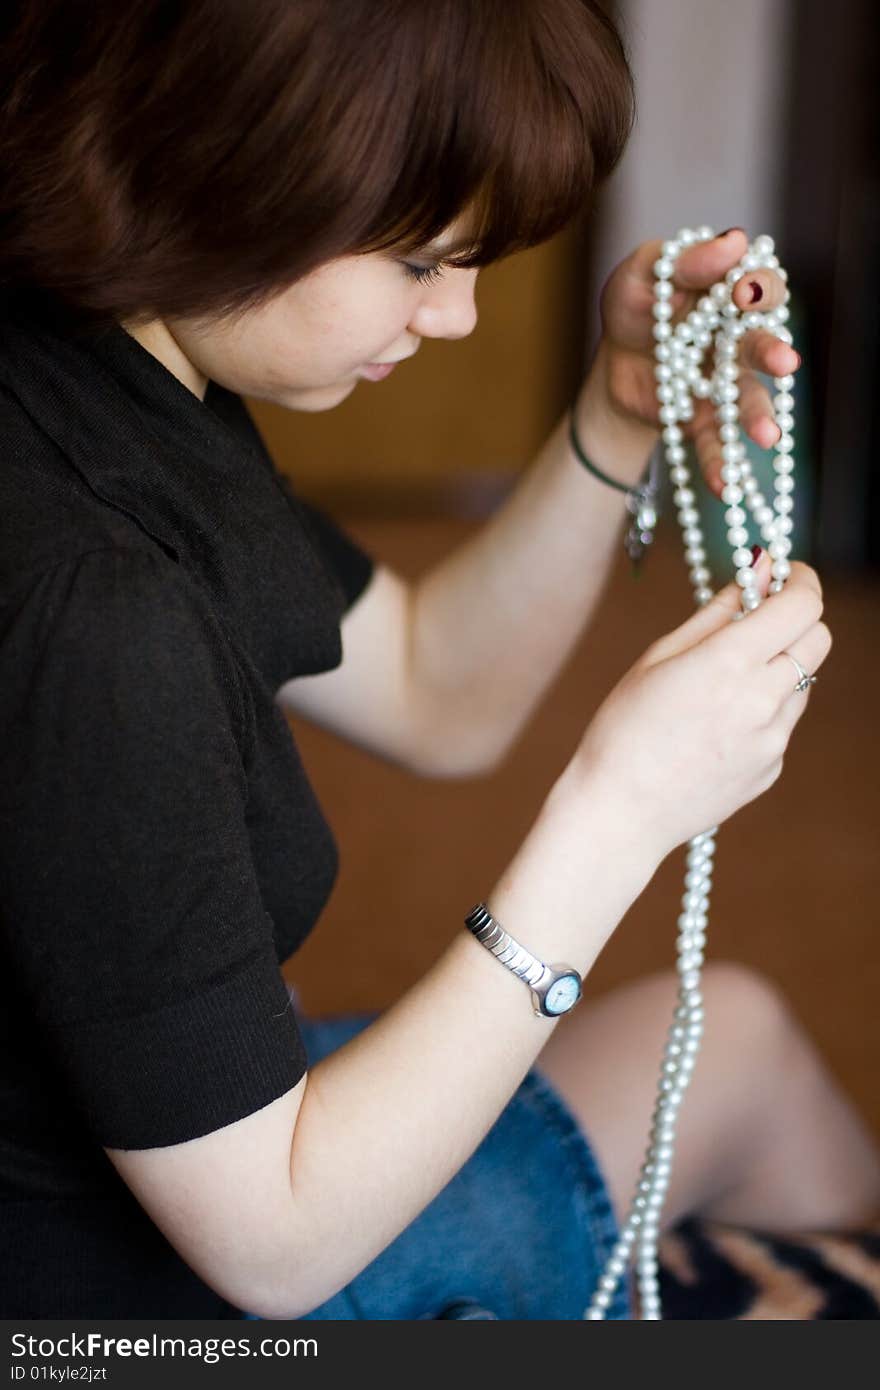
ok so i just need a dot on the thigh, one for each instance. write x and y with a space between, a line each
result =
604 1060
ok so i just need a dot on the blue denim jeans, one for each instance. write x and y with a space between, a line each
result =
522 1230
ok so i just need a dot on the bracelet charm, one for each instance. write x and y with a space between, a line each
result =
642 501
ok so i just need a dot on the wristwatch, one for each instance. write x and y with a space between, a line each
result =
555 988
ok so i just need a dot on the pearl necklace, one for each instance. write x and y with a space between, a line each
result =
715 322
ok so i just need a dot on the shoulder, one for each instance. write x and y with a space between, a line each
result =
125 623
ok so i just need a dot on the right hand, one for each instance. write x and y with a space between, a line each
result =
699 726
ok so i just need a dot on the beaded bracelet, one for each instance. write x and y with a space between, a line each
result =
642 501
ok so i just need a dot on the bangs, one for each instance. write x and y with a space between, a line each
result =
514 117
198 159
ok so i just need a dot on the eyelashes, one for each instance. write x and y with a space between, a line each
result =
425 275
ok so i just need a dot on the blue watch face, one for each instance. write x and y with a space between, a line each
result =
562 994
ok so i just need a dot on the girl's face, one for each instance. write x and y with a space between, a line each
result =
309 346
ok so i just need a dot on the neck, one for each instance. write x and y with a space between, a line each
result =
156 337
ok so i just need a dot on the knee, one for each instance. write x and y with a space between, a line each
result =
750 1003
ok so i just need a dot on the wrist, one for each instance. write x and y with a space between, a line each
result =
575 875
594 800
616 442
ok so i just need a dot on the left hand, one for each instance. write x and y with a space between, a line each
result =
623 370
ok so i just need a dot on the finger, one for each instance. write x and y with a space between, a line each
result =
776 624
809 651
698 266
759 289
763 352
757 417
707 444
713 617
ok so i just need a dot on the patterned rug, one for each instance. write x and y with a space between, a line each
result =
712 1270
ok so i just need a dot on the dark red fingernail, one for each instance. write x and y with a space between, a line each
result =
731 229
756 555
757 292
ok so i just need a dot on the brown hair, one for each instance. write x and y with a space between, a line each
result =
194 157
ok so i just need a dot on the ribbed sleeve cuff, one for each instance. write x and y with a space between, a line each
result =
188 1068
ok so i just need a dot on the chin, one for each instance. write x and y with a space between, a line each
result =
316 398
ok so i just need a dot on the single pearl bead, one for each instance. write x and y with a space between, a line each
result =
686 237
779 549
780 569
742 558
783 483
751 600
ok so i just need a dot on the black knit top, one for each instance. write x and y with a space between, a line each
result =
161 848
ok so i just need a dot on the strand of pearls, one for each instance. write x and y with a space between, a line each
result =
716 323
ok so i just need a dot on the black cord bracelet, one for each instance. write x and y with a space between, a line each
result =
642 498
591 467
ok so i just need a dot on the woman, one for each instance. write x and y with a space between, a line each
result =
204 202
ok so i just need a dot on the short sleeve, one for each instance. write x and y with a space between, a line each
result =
131 915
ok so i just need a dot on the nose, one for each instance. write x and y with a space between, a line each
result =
448 309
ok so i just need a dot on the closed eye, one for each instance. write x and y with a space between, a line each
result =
426 275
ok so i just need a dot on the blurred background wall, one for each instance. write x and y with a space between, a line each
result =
759 114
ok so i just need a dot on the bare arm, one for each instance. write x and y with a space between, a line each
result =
440 675
281 1210
388 1119
496 620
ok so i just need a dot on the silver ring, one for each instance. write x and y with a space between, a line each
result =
805 680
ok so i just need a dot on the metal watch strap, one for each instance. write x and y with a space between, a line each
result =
493 936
